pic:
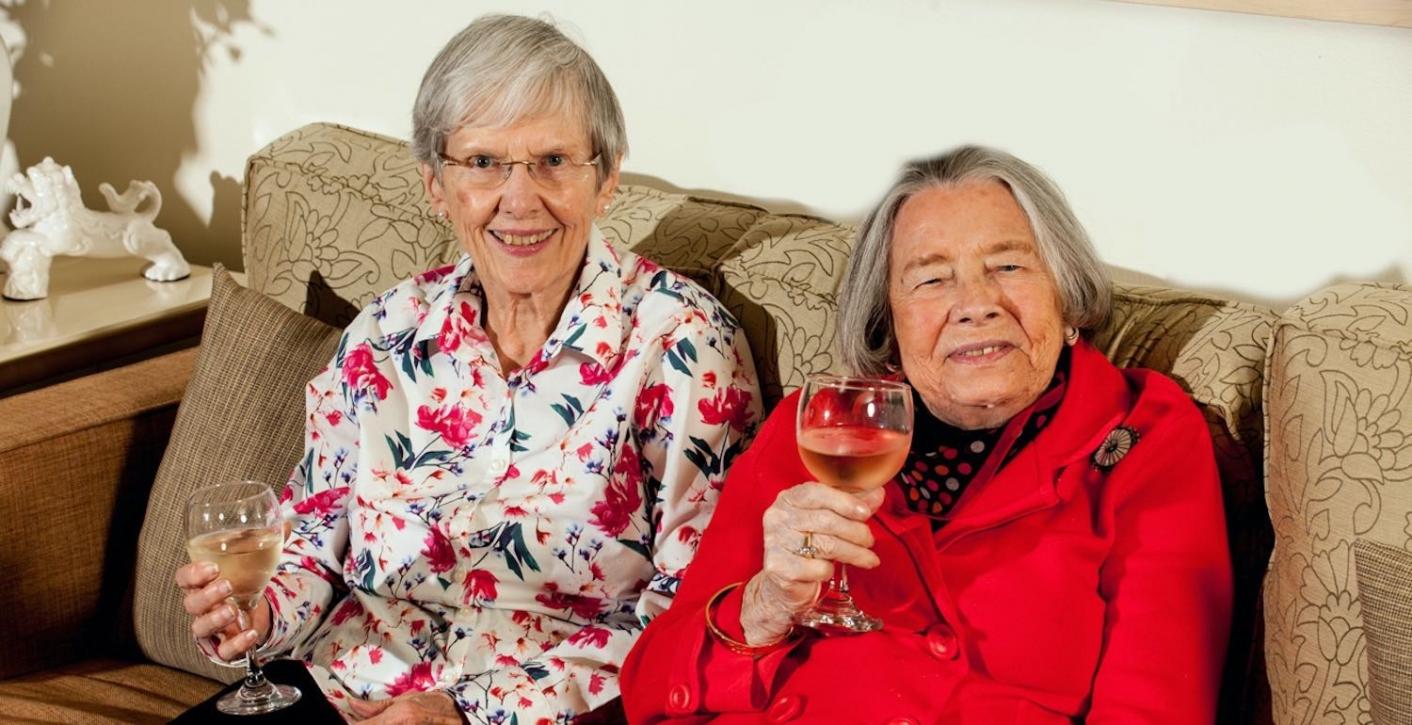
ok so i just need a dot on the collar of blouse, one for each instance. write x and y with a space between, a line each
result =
591 323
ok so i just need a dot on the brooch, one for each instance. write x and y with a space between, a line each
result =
1119 441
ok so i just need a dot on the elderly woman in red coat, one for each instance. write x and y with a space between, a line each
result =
1053 549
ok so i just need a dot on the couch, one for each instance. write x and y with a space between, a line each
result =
1309 408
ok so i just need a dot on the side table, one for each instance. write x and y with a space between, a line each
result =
100 313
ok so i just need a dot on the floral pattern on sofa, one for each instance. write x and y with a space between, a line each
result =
1339 412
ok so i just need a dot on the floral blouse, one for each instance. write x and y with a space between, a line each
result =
507 539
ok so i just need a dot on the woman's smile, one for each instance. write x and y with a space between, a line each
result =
521 242
981 353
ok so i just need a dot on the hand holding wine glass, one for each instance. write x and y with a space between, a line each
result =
237 529
788 584
853 435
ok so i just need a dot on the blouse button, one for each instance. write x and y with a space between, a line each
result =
679 698
785 708
941 642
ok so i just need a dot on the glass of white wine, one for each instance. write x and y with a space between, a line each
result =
238 527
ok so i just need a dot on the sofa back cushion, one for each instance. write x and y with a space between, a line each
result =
335 215
242 418
1339 415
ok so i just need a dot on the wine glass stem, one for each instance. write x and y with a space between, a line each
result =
254 676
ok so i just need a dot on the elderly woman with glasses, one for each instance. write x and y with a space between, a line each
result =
509 459
1053 549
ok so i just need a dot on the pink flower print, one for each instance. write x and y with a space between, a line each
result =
596 637
731 406
417 679
360 372
438 552
322 503
621 499
349 609
480 586
653 401
459 327
591 373
537 364
582 607
595 683
453 423
432 275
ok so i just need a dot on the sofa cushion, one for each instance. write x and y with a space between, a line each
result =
92 446
781 282
1385 589
1338 395
242 418
103 691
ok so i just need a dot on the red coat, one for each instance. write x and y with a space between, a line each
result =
1059 589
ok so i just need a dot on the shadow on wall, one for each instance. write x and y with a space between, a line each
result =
109 88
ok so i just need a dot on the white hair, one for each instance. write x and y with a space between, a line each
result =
503 68
867 345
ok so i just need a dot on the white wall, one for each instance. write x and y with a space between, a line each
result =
1255 156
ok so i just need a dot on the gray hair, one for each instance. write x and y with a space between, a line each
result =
503 68
866 342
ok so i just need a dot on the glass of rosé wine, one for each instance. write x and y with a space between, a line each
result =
853 435
239 528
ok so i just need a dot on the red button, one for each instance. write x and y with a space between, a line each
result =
941 641
903 721
679 698
785 708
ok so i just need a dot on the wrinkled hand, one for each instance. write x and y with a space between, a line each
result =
216 620
421 708
789 583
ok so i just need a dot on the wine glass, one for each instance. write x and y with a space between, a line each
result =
853 435
238 527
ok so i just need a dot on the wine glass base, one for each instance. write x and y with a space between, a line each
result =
258 700
839 621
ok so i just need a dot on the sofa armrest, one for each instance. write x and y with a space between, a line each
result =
1338 393
76 462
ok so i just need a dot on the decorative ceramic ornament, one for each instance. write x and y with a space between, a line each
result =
50 220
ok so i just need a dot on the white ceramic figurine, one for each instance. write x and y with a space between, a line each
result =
50 220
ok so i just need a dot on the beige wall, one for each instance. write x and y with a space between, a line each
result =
1256 156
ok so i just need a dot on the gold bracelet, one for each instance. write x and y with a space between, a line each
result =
793 635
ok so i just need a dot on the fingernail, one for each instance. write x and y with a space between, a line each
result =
249 634
224 587
227 614
210 569
860 511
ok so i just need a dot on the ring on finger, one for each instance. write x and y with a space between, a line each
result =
806 549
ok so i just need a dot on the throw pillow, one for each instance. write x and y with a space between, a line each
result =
1385 593
242 417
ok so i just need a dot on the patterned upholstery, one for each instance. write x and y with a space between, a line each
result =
1339 414
334 215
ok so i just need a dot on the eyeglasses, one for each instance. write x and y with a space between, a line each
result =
486 172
